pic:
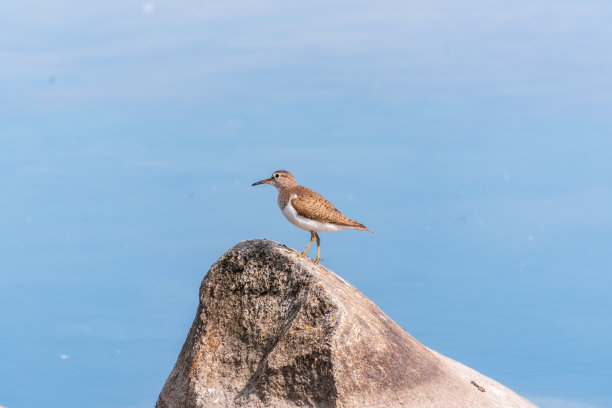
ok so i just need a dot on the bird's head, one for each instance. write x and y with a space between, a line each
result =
279 179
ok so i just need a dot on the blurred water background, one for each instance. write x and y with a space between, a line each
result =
474 137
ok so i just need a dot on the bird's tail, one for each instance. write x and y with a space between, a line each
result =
362 227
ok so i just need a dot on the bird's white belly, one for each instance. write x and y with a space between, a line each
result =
308 224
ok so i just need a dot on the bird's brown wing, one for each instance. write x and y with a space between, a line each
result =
312 205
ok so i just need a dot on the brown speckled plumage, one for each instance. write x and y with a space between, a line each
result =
314 206
302 206
308 203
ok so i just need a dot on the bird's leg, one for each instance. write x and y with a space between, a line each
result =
318 248
312 237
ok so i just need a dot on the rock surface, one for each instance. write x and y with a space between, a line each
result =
275 330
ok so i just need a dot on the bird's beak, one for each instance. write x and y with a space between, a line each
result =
266 181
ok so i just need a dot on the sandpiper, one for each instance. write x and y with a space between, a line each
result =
308 210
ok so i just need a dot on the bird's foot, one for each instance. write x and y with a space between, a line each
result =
316 261
302 255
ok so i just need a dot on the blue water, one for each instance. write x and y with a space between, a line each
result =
474 139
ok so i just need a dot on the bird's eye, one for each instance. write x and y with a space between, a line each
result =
277 175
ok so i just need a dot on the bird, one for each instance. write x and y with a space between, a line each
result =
308 210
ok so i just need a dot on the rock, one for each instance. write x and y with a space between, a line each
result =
276 330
